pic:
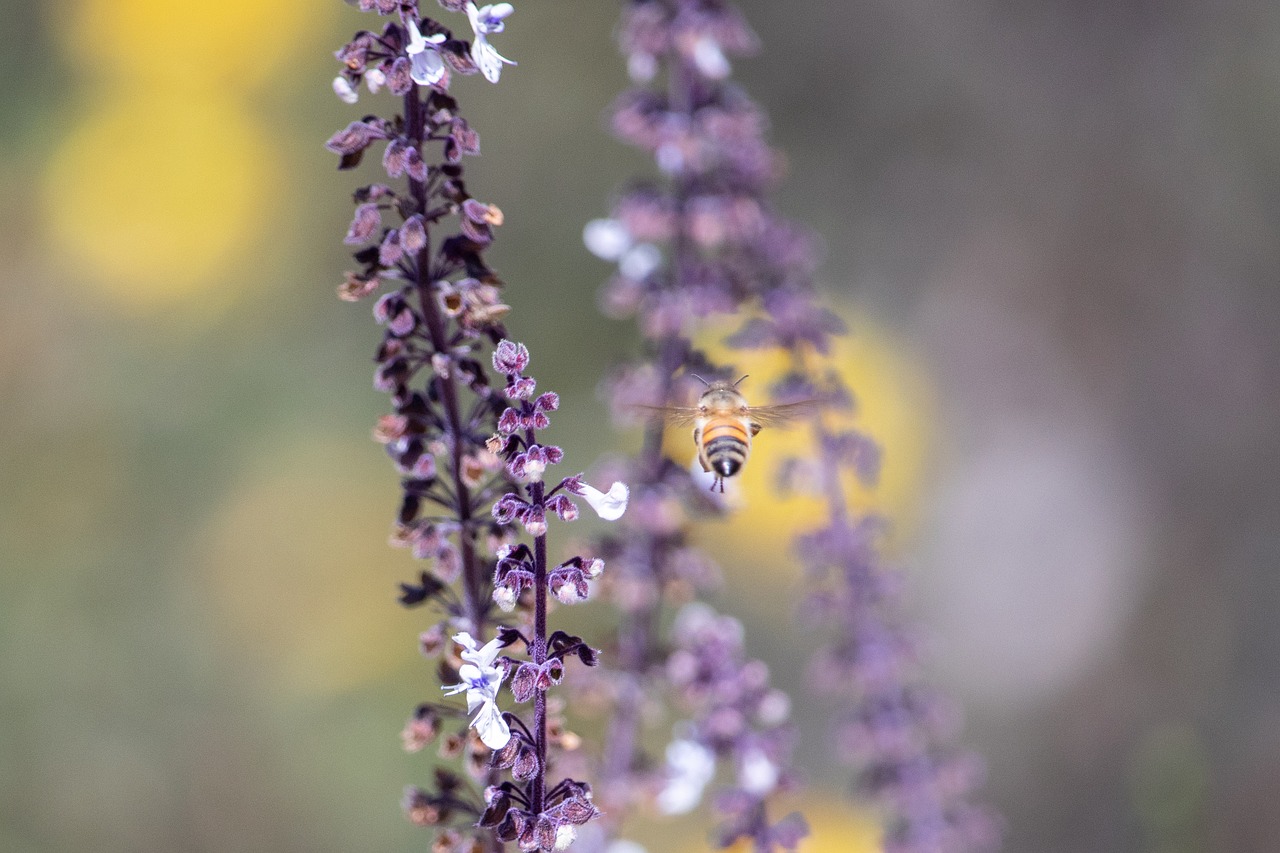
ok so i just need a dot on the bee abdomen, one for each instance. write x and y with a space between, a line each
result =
726 455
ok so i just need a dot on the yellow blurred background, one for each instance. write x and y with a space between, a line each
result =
1051 229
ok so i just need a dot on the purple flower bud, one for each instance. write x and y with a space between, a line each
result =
547 402
394 157
535 521
507 508
390 253
467 140
400 77
509 422
544 833
386 306
413 234
367 219
551 673
415 165
402 322
525 682
354 138
526 764
568 584
356 286
510 358
520 387
565 509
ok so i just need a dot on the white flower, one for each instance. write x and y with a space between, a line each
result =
375 79
607 239
481 679
428 65
486 20
566 834
343 89
757 775
608 505
710 59
640 260
690 767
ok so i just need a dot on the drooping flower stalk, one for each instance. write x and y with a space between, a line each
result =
464 449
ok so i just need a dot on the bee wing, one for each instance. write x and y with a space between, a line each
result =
673 415
784 414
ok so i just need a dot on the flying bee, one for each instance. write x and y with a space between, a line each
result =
724 424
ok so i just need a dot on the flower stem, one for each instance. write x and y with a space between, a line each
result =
539 651
435 322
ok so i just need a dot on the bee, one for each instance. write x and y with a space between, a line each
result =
724 424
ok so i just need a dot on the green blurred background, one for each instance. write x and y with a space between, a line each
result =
1055 229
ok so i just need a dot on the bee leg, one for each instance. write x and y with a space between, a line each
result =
755 428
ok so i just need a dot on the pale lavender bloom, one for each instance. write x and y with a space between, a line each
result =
481 680
484 21
428 65
608 505
344 90
690 766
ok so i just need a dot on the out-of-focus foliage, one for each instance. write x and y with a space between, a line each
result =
1056 221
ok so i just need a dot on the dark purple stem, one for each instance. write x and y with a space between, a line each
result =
475 610
539 654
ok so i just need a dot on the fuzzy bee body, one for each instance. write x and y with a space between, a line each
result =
723 431
723 426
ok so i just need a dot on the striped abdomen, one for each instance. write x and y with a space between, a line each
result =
724 445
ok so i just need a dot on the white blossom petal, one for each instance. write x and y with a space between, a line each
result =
488 19
608 505
607 239
491 18
493 730
488 59
417 43
710 59
757 775
640 260
427 67
344 90
566 834
690 766
482 657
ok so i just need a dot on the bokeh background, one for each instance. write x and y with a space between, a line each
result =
1054 227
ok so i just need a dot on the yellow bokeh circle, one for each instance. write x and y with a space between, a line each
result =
152 192
231 42
834 827
894 407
